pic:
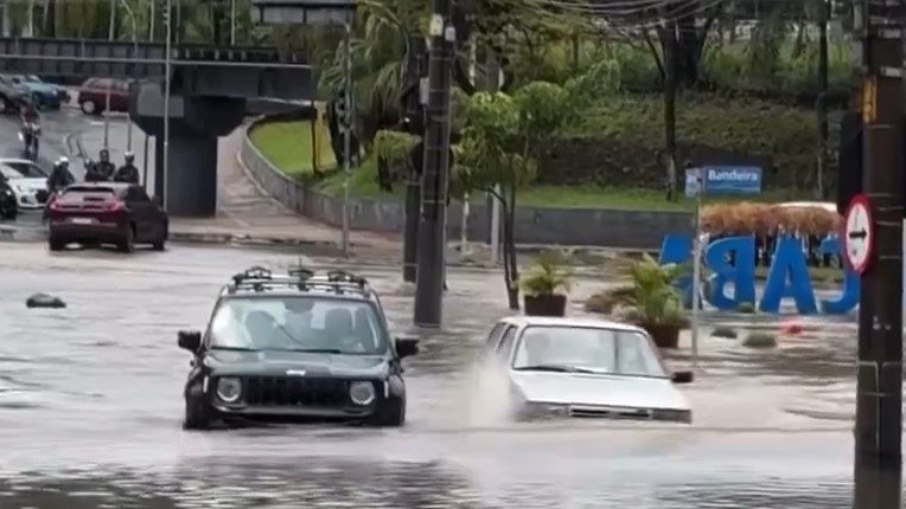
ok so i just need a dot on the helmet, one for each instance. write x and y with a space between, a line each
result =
130 157
63 162
105 154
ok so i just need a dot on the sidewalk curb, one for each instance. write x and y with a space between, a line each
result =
365 257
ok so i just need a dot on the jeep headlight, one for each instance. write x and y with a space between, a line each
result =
361 393
229 389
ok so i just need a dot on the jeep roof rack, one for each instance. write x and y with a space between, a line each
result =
259 279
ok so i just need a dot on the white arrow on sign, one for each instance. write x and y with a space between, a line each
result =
858 234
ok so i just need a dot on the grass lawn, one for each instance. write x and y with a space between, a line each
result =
288 146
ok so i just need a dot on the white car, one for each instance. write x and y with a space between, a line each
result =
28 182
584 368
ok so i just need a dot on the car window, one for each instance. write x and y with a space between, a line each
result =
298 323
28 170
494 336
10 173
506 343
595 349
80 194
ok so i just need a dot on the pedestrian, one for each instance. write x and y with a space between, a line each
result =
127 172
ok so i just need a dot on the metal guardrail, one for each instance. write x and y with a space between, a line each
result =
132 60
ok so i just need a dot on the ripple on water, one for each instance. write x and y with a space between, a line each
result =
323 483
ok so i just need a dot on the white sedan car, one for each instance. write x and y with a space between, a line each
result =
584 368
28 182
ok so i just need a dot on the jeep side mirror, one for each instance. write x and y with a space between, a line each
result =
189 340
406 346
682 377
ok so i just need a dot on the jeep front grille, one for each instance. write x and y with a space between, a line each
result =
295 391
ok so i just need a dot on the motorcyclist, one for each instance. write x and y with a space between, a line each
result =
127 172
60 177
102 170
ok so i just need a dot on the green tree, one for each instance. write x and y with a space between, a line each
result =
502 137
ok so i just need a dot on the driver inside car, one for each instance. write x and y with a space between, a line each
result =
339 325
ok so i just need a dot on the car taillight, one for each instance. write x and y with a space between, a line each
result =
54 204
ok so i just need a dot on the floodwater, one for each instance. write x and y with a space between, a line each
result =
91 409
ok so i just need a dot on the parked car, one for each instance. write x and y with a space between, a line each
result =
45 95
297 347
8 208
27 180
106 213
93 95
12 96
583 368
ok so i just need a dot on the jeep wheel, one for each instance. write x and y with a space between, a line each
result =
391 414
197 416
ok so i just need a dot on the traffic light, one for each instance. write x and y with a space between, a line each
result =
341 109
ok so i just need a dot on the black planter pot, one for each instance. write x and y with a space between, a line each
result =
664 336
545 305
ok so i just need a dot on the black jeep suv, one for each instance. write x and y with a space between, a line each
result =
300 347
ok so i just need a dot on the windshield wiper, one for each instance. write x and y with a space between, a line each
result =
315 350
558 368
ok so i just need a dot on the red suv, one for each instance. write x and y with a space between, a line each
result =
106 213
93 95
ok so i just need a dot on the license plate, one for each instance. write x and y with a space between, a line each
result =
81 220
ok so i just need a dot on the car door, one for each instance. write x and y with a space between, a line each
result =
142 213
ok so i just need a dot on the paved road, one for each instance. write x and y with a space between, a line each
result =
90 411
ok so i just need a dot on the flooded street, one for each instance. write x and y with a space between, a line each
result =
91 409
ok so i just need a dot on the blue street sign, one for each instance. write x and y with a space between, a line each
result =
692 182
732 179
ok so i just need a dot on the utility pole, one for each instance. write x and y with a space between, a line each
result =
346 123
435 179
415 124
878 451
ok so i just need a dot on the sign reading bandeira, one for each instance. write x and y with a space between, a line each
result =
733 179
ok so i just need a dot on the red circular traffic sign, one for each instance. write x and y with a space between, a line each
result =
858 234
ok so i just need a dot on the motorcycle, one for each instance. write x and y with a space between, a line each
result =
29 135
9 209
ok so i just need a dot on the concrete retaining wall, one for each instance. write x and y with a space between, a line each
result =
534 225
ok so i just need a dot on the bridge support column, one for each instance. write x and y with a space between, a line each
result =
196 123
191 187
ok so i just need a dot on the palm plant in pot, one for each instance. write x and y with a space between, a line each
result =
655 304
548 275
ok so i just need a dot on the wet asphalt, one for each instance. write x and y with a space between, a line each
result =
90 409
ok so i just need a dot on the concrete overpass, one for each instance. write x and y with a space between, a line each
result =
209 87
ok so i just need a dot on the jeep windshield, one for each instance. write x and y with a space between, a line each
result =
303 323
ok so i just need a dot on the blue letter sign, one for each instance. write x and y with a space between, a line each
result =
732 179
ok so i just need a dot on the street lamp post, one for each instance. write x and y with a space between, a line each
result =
150 39
166 154
110 33
135 44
